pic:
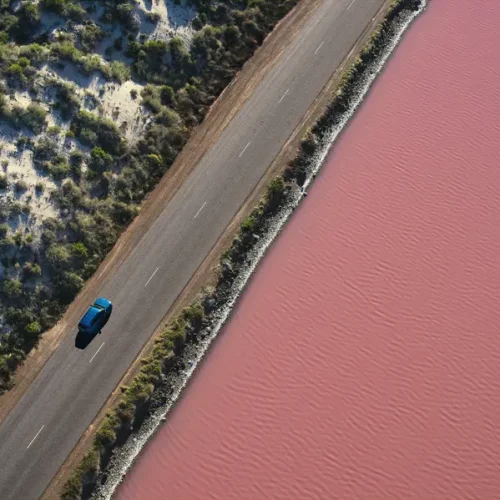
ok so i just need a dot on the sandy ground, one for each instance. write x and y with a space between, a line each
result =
203 138
19 166
174 19
113 101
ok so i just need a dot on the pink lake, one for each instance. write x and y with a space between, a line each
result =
363 361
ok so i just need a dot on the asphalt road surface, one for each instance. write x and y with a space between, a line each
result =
46 424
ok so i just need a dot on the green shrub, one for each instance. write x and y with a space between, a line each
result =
100 160
24 142
57 256
90 36
275 192
58 168
65 51
167 95
168 117
68 100
104 132
37 54
18 239
93 63
54 131
76 157
196 23
119 71
12 288
4 367
20 185
89 462
72 489
151 98
4 183
152 370
15 69
68 284
125 15
79 250
76 12
33 329
65 8
125 411
44 151
177 336
57 6
33 117
249 224
106 434
23 62
194 315
88 137
31 270
28 19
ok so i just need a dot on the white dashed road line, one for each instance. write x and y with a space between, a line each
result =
351 4
320 45
102 345
37 434
151 277
198 213
284 95
244 149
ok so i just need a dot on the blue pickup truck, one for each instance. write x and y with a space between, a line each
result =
96 317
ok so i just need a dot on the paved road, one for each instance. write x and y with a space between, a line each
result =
46 424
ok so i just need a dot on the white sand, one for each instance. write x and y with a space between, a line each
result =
113 100
174 19
20 167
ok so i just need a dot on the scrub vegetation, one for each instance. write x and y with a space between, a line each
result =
152 387
96 101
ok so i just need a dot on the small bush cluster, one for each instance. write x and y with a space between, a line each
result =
65 8
68 101
95 131
32 117
89 36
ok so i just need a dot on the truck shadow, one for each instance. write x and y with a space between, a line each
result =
83 340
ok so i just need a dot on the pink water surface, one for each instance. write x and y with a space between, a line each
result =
363 362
